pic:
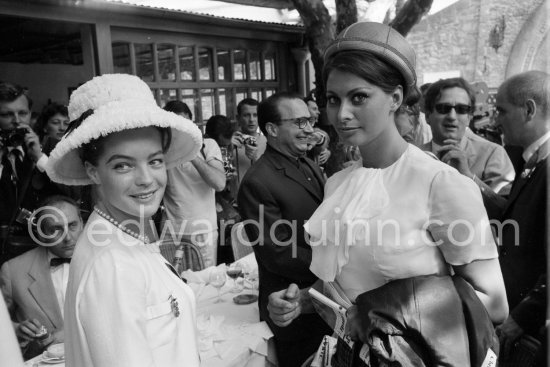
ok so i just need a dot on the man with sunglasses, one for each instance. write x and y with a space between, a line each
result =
449 106
277 195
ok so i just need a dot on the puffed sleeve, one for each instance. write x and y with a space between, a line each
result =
112 311
458 221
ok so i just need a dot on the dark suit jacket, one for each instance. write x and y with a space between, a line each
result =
524 261
277 184
28 289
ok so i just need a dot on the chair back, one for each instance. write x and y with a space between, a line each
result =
239 241
192 257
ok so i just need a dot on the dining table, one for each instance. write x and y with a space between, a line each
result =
230 334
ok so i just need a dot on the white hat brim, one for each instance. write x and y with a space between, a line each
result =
64 163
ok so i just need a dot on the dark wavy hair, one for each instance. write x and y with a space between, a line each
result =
47 113
218 125
10 92
373 69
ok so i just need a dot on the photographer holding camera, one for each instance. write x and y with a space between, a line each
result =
20 152
249 143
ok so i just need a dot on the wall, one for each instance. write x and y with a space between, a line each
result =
45 80
457 39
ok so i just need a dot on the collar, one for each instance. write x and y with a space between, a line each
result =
532 149
51 256
294 160
19 148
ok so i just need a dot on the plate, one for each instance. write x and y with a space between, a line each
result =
245 299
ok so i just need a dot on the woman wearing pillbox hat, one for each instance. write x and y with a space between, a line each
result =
125 306
397 213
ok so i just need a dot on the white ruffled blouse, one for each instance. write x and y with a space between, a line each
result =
415 217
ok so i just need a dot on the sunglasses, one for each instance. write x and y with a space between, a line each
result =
445 108
301 122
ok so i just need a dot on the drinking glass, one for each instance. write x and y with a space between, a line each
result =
234 271
217 280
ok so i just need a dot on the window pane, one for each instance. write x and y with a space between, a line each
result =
270 91
205 64
256 94
254 66
189 97
167 95
240 94
167 62
269 66
187 65
144 61
224 65
224 101
121 58
207 103
240 64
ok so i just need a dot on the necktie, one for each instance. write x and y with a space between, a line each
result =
18 159
56 261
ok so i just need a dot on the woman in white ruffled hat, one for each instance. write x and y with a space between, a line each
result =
124 304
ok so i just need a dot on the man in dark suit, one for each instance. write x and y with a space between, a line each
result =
34 284
20 152
523 114
277 195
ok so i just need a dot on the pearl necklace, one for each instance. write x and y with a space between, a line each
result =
142 238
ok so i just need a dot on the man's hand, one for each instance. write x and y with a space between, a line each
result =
323 157
284 306
353 325
32 142
237 139
452 154
27 330
251 152
508 333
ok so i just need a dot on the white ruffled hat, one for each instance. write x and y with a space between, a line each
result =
110 103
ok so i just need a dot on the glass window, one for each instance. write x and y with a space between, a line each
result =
189 97
167 62
270 66
208 103
167 95
256 94
270 91
225 102
205 64
240 94
254 65
144 61
224 65
121 58
240 64
187 65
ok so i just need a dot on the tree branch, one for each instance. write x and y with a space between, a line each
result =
409 15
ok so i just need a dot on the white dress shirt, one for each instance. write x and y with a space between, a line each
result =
60 278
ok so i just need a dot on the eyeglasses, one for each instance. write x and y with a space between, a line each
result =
445 108
301 122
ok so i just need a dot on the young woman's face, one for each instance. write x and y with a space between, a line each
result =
56 126
360 111
131 173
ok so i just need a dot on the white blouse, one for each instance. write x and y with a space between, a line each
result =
412 218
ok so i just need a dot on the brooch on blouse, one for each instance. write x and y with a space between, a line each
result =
527 172
175 306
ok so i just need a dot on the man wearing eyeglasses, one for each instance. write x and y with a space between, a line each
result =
449 106
277 195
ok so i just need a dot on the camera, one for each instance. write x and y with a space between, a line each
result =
248 140
13 138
